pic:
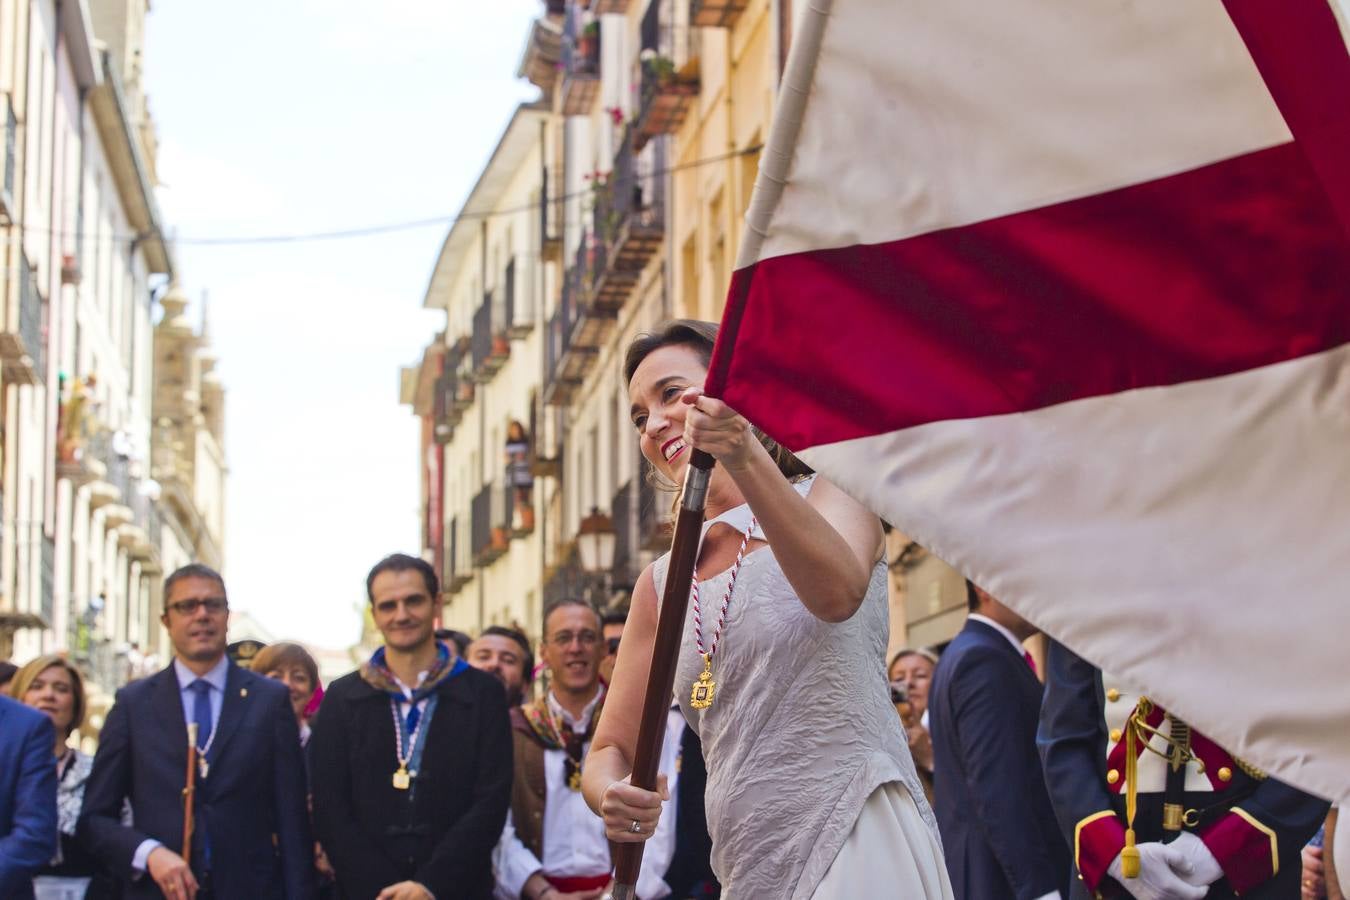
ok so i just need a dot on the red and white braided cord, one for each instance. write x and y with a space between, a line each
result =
726 600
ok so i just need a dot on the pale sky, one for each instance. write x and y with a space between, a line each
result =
315 115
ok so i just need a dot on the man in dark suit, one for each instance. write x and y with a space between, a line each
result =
1206 824
411 756
998 829
251 833
27 797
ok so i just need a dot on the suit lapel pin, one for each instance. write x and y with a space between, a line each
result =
243 692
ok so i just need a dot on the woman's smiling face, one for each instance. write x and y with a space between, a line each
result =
656 410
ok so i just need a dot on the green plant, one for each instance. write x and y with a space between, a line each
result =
662 68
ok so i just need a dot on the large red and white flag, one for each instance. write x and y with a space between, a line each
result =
1062 290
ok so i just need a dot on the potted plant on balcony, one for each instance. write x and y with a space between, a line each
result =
661 69
588 45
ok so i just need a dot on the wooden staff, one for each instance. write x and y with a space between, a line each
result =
189 790
661 677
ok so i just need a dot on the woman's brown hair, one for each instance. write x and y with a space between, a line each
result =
28 673
275 656
700 337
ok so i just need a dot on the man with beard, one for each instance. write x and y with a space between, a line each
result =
251 836
554 847
504 653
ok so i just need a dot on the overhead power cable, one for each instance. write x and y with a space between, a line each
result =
387 228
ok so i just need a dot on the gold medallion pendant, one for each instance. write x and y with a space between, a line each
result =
574 780
402 780
701 697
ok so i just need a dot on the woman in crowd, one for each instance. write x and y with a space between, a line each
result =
811 791
914 669
53 685
293 666
518 474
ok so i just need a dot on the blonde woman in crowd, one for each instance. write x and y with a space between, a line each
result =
52 684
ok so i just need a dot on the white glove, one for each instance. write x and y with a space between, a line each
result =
1205 869
1162 874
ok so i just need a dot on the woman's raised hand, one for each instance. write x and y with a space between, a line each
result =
630 813
715 428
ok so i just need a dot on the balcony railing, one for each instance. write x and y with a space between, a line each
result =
716 13
491 344
460 566
11 145
491 533
581 63
517 310
444 416
578 329
630 224
667 96
654 524
48 579
23 347
625 545
550 218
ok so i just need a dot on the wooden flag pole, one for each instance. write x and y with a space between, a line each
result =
661 677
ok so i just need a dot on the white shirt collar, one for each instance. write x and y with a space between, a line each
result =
582 723
1012 638
215 677
408 691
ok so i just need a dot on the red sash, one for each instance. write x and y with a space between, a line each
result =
571 883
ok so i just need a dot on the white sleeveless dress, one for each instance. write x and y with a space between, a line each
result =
811 792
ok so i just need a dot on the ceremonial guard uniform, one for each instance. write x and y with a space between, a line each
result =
1106 749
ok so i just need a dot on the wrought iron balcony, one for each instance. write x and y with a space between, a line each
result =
517 305
575 331
716 13
550 218
444 414
581 63
490 533
629 222
624 516
667 96
654 521
10 147
459 569
491 342
23 344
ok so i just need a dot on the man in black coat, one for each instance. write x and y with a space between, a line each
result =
251 836
411 756
999 832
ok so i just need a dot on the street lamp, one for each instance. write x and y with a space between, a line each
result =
595 542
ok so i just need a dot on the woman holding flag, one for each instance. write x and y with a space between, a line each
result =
811 790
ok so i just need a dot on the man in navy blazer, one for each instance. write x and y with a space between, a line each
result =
251 833
999 831
27 797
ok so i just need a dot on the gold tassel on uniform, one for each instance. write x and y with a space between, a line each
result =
1129 857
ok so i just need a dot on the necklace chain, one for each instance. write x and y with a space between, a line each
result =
403 758
707 652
